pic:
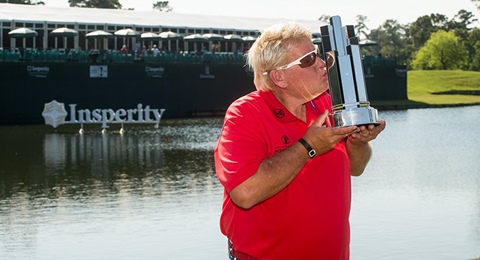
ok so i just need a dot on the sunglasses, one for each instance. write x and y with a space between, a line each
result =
307 60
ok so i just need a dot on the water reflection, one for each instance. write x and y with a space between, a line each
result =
176 154
63 151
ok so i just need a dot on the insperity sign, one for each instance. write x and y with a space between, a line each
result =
55 114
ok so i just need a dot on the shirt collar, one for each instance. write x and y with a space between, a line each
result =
279 111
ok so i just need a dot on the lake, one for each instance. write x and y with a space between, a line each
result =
152 193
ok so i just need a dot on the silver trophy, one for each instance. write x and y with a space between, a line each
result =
350 103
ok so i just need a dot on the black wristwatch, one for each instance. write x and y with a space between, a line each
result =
311 152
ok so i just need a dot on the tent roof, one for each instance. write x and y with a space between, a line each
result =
130 18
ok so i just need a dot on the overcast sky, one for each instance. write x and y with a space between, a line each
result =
377 11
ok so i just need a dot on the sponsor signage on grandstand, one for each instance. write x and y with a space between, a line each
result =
55 114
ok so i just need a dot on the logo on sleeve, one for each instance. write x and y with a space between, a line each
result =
285 143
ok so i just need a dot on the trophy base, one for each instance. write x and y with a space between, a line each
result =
356 116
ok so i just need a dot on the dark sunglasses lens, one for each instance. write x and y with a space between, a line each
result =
308 61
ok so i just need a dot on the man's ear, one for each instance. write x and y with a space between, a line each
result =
278 77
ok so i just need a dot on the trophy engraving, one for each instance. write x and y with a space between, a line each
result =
350 103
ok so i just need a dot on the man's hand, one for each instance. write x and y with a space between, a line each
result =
367 133
323 137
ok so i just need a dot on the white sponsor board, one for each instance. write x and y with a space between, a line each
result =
98 71
155 72
38 71
206 74
55 114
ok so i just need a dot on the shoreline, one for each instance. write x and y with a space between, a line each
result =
420 106
378 106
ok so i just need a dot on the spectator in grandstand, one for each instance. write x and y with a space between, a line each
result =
124 50
155 51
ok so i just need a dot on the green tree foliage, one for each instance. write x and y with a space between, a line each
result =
443 51
420 30
472 43
361 28
439 20
475 62
107 4
415 35
390 37
324 18
162 6
462 20
23 2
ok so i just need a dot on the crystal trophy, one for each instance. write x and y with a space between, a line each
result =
350 105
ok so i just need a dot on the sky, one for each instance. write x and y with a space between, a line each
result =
376 11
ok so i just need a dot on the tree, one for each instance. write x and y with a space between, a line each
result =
420 30
390 37
443 51
324 18
107 4
475 63
404 42
23 2
472 43
361 27
461 23
162 6
439 21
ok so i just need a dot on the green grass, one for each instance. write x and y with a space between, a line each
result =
421 84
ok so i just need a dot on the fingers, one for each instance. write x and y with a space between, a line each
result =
323 119
346 130
323 125
374 130
369 132
327 121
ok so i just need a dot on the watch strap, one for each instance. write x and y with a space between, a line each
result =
310 151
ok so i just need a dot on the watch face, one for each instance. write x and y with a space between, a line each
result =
312 153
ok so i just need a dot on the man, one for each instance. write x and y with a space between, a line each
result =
285 169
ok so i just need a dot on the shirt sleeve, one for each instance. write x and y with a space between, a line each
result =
241 146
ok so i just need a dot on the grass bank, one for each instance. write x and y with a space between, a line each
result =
439 87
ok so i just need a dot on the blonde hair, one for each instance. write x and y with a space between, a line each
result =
272 49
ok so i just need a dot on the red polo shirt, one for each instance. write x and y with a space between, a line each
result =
306 220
